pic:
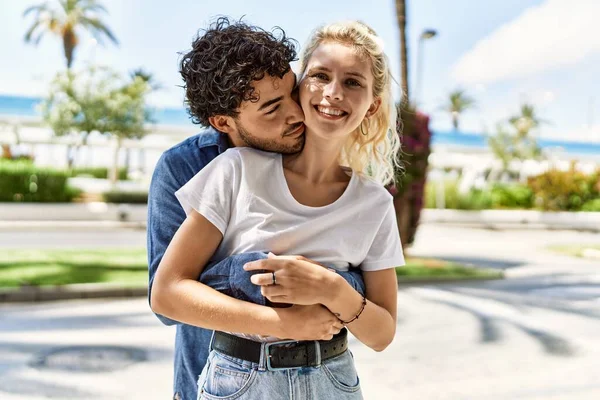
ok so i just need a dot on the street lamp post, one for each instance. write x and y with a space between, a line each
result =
426 34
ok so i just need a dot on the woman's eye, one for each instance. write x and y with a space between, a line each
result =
320 75
353 82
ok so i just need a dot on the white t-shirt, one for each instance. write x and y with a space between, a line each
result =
243 193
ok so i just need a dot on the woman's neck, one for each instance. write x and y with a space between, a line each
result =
318 162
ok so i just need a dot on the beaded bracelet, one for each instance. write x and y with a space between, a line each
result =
362 308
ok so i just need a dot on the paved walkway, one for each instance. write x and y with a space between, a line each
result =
533 336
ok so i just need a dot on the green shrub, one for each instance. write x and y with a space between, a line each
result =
21 181
126 197
475 199
570 190
98 172
511 196
591 205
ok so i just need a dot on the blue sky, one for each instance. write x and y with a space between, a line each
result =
502 52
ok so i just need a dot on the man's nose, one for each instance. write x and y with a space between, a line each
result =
295 113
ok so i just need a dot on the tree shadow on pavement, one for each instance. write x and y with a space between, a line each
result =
490 332
28 323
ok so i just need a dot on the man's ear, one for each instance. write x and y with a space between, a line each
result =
223 124
374 107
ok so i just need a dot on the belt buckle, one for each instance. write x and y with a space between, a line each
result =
268 354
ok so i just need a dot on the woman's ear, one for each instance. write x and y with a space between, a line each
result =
373 108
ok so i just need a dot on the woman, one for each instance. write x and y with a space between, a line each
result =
318 203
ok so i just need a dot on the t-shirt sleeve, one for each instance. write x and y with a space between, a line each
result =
212 190
386 249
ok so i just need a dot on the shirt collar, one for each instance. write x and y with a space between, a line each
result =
211 137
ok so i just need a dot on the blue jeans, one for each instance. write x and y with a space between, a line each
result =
225 377
229 277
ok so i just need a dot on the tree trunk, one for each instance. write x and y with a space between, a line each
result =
403 207
455 121
69 43
114 171
401 16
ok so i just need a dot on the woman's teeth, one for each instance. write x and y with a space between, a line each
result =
330 111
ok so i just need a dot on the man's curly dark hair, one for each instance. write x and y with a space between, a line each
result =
219 70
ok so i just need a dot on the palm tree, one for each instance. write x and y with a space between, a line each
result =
458 103
526 121
65 22
401 17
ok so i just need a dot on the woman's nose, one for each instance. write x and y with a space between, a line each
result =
333 91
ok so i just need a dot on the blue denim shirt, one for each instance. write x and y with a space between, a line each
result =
175 167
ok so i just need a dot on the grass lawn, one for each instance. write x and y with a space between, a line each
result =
435 269
129 267
60 267
575 250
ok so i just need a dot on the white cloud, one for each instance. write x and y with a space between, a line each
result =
554 34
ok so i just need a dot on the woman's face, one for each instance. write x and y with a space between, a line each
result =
336 92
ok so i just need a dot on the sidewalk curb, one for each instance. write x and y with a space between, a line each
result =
69 225
33 294
419 282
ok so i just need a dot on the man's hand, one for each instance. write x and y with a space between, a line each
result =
298 280
313 322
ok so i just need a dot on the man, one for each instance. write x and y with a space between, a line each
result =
239 85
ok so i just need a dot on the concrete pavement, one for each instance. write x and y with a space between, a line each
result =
532 336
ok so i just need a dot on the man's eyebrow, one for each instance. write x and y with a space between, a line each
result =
270 102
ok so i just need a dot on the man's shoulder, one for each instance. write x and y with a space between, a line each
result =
207 140
182 161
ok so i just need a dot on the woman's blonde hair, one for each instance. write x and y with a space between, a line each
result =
373 147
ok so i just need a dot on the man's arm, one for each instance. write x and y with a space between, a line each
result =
165 215
178 294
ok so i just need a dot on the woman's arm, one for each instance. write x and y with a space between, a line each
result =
301 281
178 295
376 325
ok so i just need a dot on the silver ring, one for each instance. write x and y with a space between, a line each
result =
274 280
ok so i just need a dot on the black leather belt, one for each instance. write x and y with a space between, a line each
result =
282 355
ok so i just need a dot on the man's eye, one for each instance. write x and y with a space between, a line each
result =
273 110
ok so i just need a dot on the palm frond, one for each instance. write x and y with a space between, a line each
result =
28 35
99 28
38 8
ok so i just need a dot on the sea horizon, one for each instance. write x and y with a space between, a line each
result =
26 106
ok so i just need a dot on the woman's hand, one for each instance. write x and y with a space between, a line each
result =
298 279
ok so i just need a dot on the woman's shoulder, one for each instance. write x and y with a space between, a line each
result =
369 186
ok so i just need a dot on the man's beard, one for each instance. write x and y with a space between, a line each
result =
271 144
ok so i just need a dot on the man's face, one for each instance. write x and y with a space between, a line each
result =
275 122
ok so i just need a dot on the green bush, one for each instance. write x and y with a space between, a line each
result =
126 197
511 196
591 205
570 190
98 172
21 181
473 200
